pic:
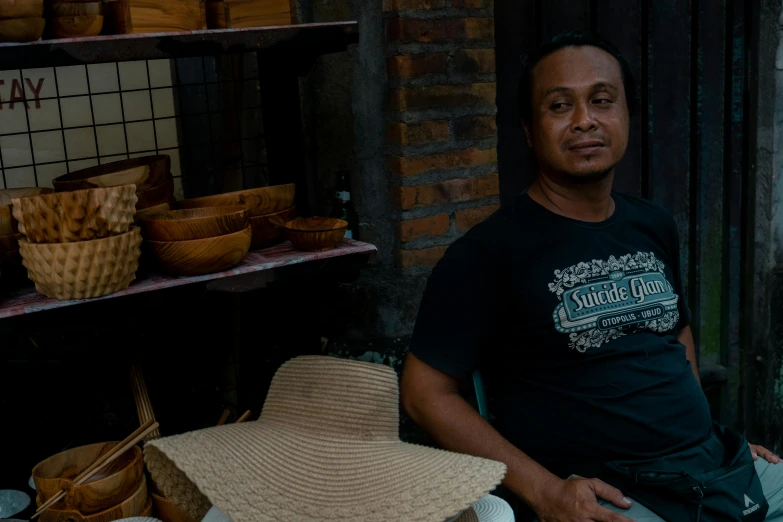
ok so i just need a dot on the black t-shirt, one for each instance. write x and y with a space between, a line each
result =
574 327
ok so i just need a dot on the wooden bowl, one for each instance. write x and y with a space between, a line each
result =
259 201
85 269
167 510
22 29
103 491
315 234
9 225
76 26
158 171
21 9
194 223
137 504
57 9
65 217
149 211
269 230
155 196
9 249
200 256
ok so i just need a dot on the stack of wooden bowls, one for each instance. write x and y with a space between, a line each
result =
74 18
117 492
197 241
9 227
269 209
21 20
79 244
151 175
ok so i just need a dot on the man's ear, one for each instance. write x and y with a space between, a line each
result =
527 134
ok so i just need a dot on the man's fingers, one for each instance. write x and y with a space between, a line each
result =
766 454
613 495
605 515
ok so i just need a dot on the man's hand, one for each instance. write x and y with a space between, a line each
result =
761 451
576 500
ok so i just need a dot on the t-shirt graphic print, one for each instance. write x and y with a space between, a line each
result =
603 300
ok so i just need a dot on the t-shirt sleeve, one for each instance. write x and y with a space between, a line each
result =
456 309
676 264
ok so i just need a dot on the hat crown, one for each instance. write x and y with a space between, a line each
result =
328 397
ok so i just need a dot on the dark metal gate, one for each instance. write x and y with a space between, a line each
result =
687 150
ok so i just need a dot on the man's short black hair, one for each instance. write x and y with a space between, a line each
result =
561 41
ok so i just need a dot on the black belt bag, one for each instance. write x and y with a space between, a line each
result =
678 489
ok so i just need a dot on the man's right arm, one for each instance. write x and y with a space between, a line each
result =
432 399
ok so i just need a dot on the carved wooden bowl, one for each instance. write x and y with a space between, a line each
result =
62 8
138 504
104 490
144 172
9 225
315 234
194 223
149 211
22 29
79 26
200 256
155 196
21 9
259 201
269 230
81 215
84 269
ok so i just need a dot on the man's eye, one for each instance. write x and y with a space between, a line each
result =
602 101
559 106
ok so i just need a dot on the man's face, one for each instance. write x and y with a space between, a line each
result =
580 120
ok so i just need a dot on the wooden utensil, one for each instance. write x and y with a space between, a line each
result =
243 417
260 201
200 256
316 234
223 417
115 453
21 9
159 172
76 26
21 29
76 216
85 269
155 196
136 504
141 397
269 230
194 223
103 491
154 16
75 8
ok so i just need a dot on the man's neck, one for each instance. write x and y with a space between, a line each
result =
584 201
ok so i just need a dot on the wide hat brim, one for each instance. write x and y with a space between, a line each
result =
259 471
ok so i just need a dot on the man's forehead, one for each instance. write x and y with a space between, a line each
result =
576 67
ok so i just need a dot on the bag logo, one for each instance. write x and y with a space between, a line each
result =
748 502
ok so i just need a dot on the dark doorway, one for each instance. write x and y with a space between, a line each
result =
688 145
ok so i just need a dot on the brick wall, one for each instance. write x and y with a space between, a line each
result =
441 131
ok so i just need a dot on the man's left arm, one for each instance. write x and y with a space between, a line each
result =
686 339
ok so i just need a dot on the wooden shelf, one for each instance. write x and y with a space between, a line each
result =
256 263
299 43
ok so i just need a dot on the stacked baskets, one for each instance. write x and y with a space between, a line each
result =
79 244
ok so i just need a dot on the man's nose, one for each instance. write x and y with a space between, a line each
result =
582 118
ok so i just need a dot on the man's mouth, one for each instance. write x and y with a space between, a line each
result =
587 147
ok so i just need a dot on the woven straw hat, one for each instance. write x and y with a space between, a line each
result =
326 447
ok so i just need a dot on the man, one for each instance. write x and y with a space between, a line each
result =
569 302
